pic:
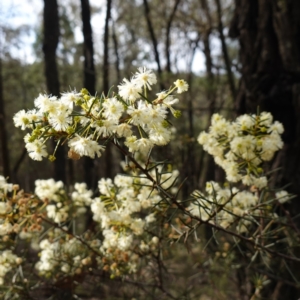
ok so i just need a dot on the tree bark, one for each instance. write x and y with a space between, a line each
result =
168 32
116 50
227 61
88 48
3 133
50 42
106 48
153 37
108 151
268 32
89 79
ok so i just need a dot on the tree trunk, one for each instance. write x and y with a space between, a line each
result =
209 165
268 33
116 50
226 58
3 136
106 48
50 42
153 38
168 32
88 48
108 151
89 79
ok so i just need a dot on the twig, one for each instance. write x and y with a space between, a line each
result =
71 234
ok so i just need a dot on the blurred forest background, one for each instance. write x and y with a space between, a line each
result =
236 55
178 39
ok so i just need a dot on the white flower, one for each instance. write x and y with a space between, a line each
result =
107 128
144 77
8 261
140 115
248 179
124 242
85 146
49 189
110 238
45 244
181 86
159 135
232 171
261 182
219 126
276 126
5 228
282 196
137 226
155 240
34 115
243 144
143 145
45 103
245 122
21 119
61 121
98 209
57 214
129 90
4 208
4 186
65 268
69 98
37 150
203 138
157 114
165 99
130 143
105 185
124 130
123 181
81 196
150 218
113 108
266 118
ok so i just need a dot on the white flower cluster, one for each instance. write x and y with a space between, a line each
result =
8 261
125 197
240 147
55 196
83 119
5 206
225 207
123 214
59 207
61 254
5 187
123 211
49 189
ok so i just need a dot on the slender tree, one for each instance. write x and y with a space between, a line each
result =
268 32
88 48
116 50
168 32
3 133
226 58
89 77
50 42
108 153
106 48
153 37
